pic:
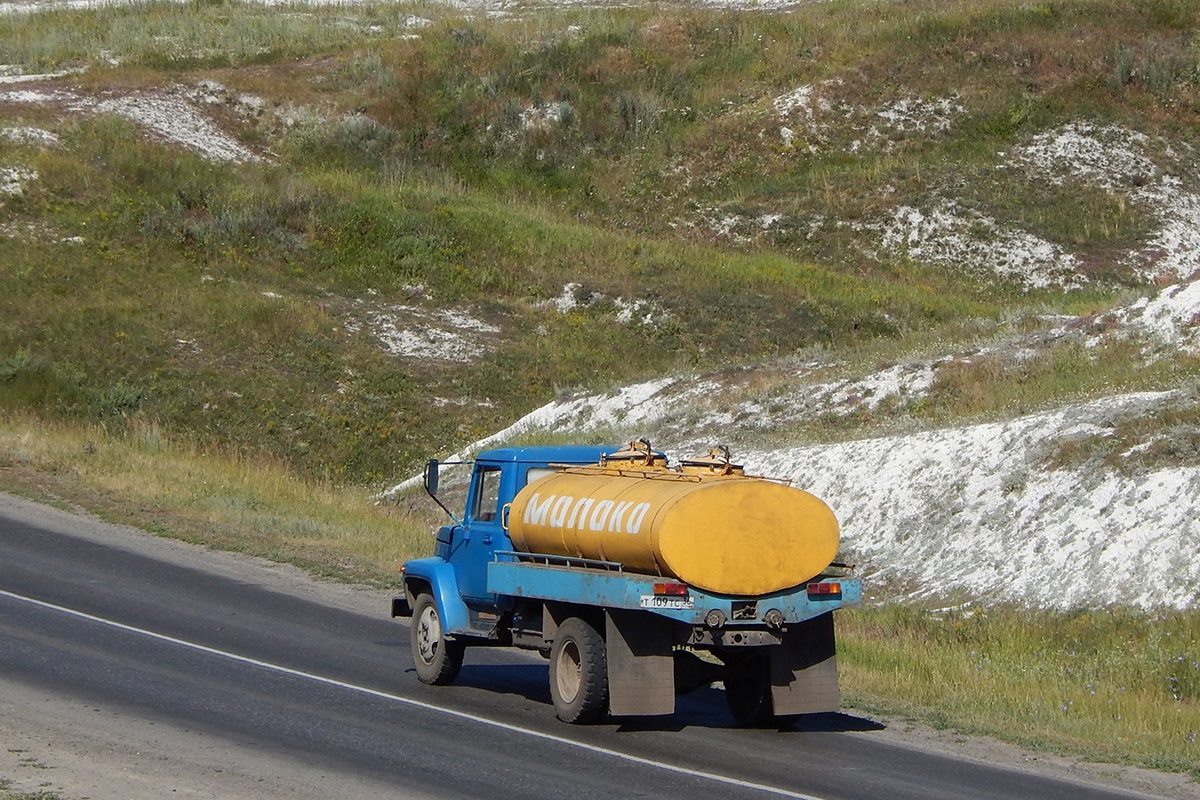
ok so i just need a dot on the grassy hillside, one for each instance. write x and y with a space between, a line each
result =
484 165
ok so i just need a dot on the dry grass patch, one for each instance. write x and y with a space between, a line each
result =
210 496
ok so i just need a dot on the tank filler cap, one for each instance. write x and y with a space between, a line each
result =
638 453
717 461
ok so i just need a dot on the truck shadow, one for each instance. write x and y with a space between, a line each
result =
706 708
702 708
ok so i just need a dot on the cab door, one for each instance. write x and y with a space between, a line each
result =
482 533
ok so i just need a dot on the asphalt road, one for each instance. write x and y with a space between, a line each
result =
114 628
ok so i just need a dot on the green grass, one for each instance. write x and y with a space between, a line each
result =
1112 684
163 312
164 36
997 387
1008 379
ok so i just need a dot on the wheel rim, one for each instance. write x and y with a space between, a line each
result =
569 671
429 634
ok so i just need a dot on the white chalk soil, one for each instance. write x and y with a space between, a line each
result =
78 749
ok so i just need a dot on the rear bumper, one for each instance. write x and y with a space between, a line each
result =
635 591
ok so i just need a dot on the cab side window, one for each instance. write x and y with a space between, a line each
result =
487 494
537 473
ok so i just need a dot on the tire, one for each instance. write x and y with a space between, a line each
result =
436 658
748 692
579 673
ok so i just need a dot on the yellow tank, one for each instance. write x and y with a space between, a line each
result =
708 526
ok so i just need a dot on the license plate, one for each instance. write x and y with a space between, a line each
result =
661 601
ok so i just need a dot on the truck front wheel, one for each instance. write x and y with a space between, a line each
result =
579 673
436 658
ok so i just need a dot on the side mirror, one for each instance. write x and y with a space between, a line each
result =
432 472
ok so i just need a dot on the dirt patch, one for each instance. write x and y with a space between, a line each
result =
172 115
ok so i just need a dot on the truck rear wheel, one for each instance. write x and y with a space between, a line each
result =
436 658
748 691
579 673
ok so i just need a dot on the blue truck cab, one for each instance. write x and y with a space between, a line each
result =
619 642
456 574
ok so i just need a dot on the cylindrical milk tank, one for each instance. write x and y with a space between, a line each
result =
727 534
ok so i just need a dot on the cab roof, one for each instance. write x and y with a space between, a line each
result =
549 454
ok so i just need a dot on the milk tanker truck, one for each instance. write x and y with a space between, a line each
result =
639 581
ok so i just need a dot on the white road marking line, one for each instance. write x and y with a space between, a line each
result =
711 776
